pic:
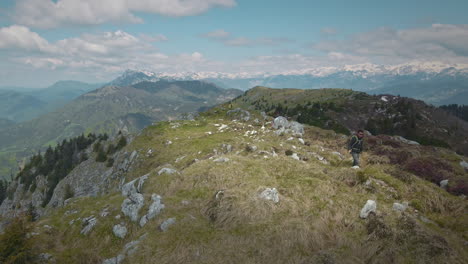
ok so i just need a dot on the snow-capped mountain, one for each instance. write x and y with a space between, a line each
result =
433 82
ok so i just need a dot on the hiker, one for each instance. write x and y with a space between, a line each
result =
355 147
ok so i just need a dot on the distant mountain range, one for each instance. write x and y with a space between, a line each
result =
108 110
22 104
434 83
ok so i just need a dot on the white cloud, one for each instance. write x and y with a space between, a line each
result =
51 14
15 36
386 45
93 54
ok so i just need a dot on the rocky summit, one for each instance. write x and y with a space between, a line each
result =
238 186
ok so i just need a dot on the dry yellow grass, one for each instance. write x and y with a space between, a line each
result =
316 221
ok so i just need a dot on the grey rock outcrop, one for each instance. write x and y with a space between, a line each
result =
239 114
119 231
464 164
166 170
129 249
406 141
155 209
369 207
132 205
270 194
444 184
164 227
400 206
221 159
134 202
130 187
280 122
284 126
88 224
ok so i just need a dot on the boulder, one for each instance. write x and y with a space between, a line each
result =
130 187
239 114
406 141
155 209
132 205
400 207
444 184
296 127
464 164
164 227
270 194
166 170
119 231
294 156
222 159
369 207
88 224
280 122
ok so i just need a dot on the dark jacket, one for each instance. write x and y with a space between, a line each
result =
355 144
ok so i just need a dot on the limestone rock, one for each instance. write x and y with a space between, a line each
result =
155 209
164 227
464 164
270 194
120 231
369 207
239 114
88 224
280 122
400 207
166 170
132 205
296 127
444 184
130 187
221 159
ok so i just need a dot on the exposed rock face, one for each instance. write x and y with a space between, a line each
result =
88 224
129 249
220 160
406 141
130 187
166 170
270 194
119 231
464 164
369 207
400 207
135 200
92 178
155 209
132 205
280 122
164 227
284 126
444 184
239 114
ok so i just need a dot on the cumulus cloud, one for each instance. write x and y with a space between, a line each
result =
50 14
92 53
387 45
15 36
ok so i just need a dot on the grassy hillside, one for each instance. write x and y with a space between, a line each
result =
220 217
108 110
346 110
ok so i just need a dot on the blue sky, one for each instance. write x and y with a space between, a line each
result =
95 41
